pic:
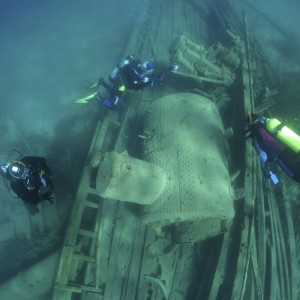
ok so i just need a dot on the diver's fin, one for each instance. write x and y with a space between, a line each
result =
95 84
85 99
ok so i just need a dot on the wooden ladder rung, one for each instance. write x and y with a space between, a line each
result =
93 192
84 257
78 288
91 204
88 233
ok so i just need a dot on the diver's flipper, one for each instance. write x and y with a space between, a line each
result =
94 85
97 83
85 99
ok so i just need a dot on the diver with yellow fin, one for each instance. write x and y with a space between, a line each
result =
130 74
111 102
275 143
85 99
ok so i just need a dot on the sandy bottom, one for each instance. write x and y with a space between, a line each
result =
51 51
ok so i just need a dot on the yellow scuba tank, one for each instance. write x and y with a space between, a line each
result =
284 134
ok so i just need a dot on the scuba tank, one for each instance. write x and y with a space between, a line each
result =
283 134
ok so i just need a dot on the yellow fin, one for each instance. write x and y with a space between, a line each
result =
85 99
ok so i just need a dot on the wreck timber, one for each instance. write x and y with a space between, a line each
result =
109 253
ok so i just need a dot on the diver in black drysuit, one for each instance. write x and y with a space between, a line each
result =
132 74
30 179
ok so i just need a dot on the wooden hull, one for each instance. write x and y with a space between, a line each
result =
109 253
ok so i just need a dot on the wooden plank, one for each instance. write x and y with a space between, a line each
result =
248 274
91 204
274 280
121 250
93 192
250 171
101 133
260 228
98 272
136 258
256 284
77 288
291 249
65 265
220 270
59 293
276 290
105 235
183 263
147 265
84 257
87 233
281 248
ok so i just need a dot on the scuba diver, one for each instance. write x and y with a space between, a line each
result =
130 74
30 179
275 143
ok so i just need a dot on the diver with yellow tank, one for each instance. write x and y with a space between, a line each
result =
274 142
